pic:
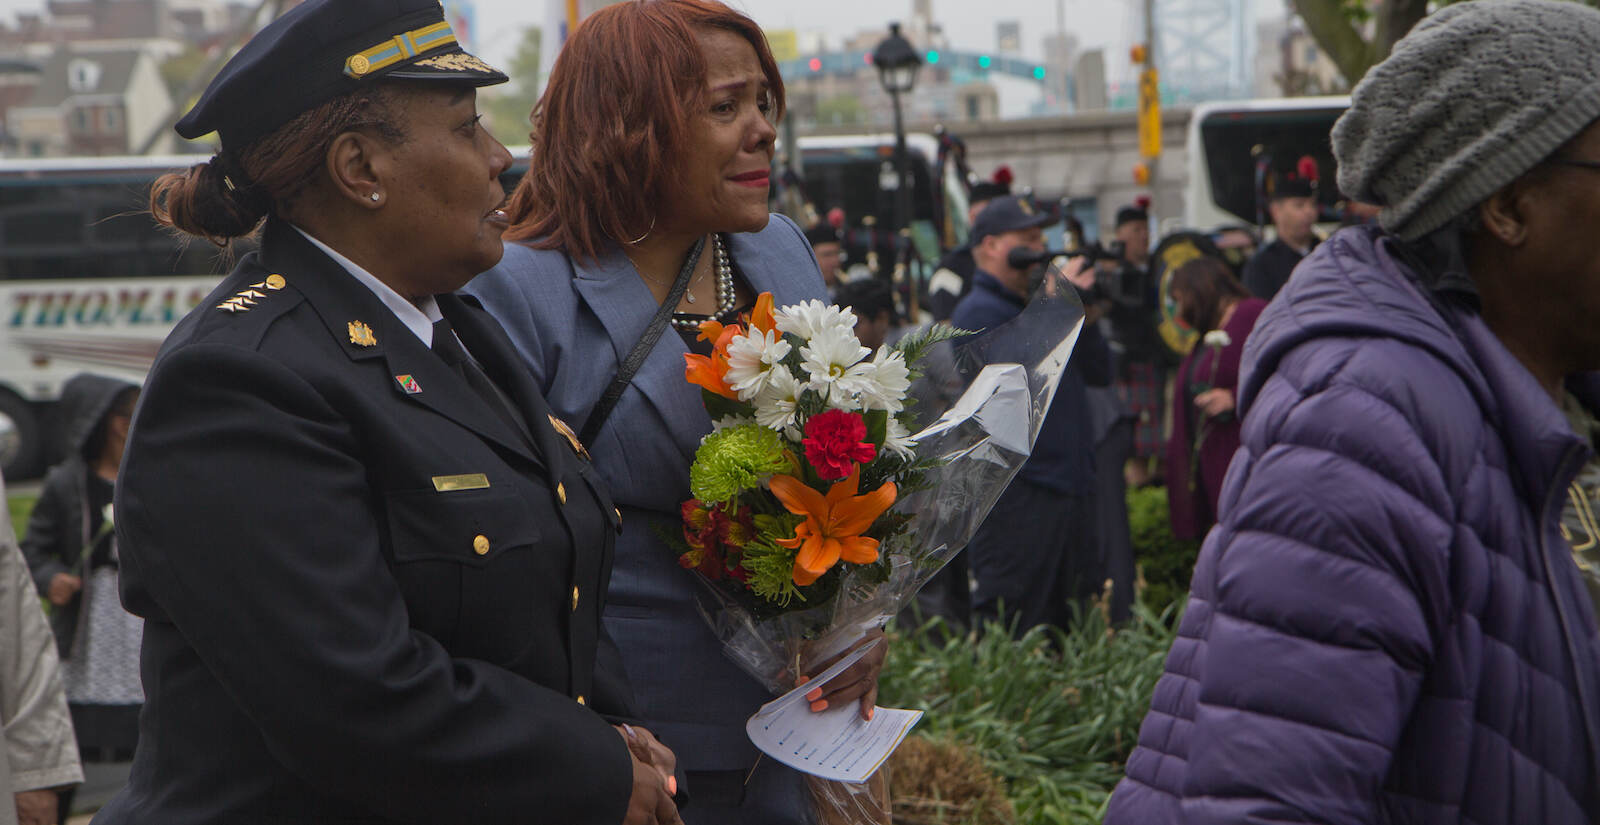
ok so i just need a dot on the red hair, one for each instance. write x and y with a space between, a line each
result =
614 119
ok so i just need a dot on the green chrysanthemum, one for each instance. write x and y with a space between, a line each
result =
735 459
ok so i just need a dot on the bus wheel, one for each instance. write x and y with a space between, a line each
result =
19 437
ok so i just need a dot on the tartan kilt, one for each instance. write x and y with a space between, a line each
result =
1142 387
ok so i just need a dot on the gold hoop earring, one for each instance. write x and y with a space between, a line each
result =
640 239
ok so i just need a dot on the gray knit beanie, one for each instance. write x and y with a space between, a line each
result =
1476 95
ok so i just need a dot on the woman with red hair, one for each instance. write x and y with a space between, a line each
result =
644 213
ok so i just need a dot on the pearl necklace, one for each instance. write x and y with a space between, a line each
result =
726 296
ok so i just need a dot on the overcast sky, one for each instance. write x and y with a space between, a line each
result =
970 24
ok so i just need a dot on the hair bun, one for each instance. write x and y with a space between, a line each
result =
207 202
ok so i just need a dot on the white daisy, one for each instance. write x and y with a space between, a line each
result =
833 362
810 319
885 388
750 360
775 404
898 440
728 421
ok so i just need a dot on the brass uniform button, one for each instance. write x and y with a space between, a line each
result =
574 598
561 492
480 545
580 700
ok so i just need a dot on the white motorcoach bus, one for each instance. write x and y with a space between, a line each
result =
89 283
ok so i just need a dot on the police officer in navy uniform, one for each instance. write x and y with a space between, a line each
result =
370 561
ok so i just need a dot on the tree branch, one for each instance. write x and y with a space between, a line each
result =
1395 19
1338 37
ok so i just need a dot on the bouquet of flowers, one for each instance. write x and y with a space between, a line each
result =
816 513
794 489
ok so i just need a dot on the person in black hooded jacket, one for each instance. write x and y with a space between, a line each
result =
72 556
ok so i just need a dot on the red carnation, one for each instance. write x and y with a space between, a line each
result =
835 440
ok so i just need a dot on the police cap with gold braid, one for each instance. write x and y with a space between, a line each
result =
323 49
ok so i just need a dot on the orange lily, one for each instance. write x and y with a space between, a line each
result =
709 371
761 316
710 331
833 525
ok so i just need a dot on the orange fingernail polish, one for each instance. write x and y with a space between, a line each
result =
814 695
802 680
819 706
871 711
672 785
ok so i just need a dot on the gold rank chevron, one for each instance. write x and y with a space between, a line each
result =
249 296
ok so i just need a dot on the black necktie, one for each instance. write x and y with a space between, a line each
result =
455 356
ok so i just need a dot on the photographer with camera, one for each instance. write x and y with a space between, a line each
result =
1039 548
1141 358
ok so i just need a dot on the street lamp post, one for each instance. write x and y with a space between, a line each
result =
897 63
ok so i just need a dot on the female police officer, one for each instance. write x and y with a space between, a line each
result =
369 560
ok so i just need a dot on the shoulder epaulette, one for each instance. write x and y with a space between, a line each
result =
249 296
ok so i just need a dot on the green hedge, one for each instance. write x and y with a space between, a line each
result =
1054 714
1166 563
20 505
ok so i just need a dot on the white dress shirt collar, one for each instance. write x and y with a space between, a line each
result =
417 317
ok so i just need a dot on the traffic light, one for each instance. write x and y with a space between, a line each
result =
1141 174
1138 53
933 56
1038 73
985 61
815 64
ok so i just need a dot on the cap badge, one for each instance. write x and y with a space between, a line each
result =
1027 208
361 335
359 65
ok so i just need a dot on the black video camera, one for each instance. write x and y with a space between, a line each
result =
1121 282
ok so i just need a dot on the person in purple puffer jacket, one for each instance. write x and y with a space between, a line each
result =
1390 622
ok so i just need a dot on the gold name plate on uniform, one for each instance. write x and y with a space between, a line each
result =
470 481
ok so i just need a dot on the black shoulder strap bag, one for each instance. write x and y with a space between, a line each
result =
641 350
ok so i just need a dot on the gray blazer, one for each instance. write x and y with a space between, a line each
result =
38 749
573 324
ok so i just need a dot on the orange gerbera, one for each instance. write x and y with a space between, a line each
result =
833 525
709 371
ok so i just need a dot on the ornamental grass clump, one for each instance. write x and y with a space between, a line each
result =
1054 714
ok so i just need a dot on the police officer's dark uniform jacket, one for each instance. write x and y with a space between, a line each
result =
368 598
